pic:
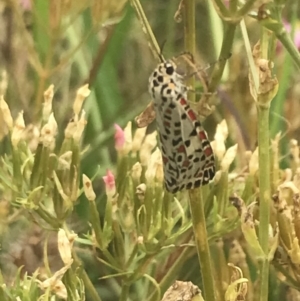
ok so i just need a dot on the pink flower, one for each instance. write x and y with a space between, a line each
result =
226 2
26 4
296 36
119 137
110 184
297 39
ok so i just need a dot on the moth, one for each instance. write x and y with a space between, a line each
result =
188 159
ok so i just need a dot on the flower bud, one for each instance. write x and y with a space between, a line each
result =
147 146
138 138
6 113
82 93
80 125
88 188
65 244
155 168
47 106
136 171
110 185
229 157
48 132
140 191
119 138
128 139
18 130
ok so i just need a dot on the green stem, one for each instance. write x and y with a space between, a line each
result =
225 52
171 273
222 193
125 292
190 38
263 108
89 287
201 241
243 11
287 42
264 194
147 28
17 175
264 280
221 9
196 202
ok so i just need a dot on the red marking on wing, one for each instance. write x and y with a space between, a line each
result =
186 163
208 151
181 149
202 135
199 174
183 102
192 115
166 123
165 159
168 111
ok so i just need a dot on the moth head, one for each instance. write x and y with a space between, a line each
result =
165 72
168 68
165 81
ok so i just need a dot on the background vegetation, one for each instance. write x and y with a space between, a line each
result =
133 240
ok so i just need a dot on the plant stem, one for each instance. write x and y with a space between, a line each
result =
190 38
171 273
196 202
264 194
147 28
89 287
263 108
199 225
125 291
225 52
287 42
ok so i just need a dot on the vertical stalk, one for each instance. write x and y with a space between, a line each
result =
190 38
263 107
196 201
89 287
201 241
264 195
224 53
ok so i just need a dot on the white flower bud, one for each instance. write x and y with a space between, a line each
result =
229 157
82 93
138 138
136 171
47 106
81 123
48 132
65 244
6 113
88 188
155 169
140 191
128 139
147 146
18 129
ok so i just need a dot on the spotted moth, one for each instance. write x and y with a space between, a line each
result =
188 159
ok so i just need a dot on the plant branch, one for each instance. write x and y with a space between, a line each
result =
201 241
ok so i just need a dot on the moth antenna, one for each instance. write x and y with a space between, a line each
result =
160 55
185 53
204 68
219 60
